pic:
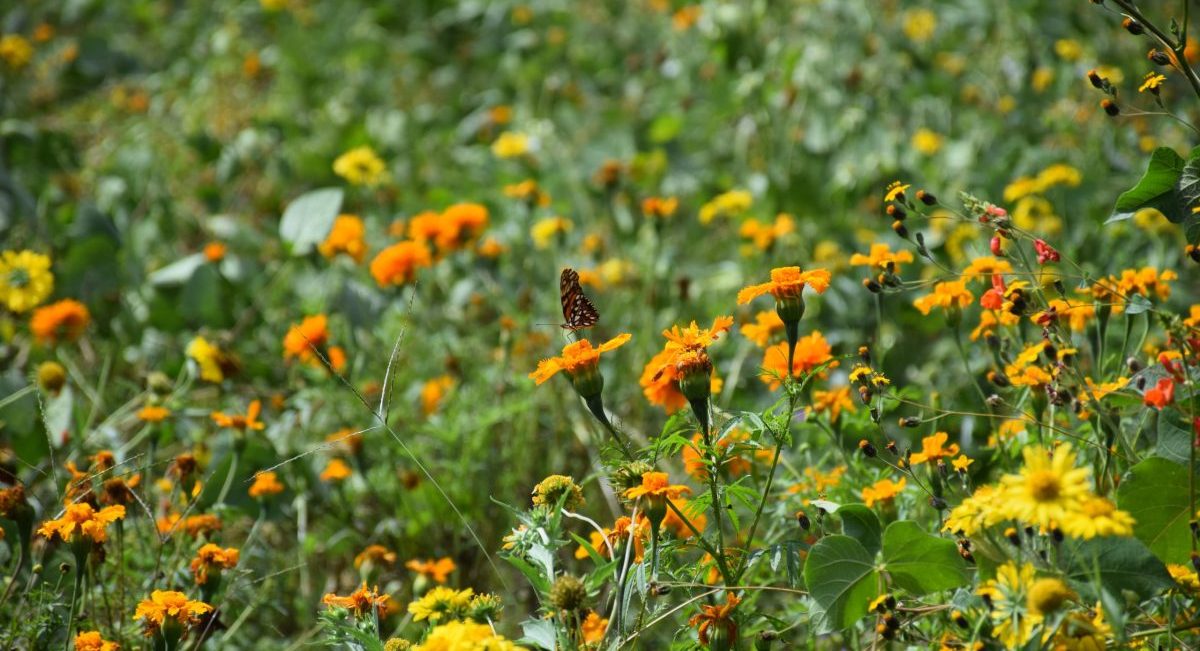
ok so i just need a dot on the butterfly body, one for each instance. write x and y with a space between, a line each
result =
578 311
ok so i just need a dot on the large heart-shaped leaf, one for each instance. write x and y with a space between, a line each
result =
861 524
1155 493
921 563
1158 188
841 577
1118 564
307 220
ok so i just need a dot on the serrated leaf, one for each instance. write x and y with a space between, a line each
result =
1155 493
308 219
842 580
861 524
920 563
1119 563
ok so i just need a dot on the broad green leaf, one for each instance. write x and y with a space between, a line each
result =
1155 493
1137 304
1156 189
1175 437
178 272
921 563
1189 185
309 218
861 524
1119 564
538 633
841 577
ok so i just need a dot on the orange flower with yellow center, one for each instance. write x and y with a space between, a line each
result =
576 357
239 421
787 282
166 605
62 321
932 449
81 516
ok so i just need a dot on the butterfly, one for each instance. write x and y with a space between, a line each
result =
578 311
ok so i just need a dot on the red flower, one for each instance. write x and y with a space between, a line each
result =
1045 252
1161 395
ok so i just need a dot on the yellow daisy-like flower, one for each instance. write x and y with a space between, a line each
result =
895 191
545 230
441 603
464 636
169 604
15 51
1152 82
946 295
880 257
25 280
360 166
208 358
1048 489
511 144
1012 621
81 516
1097 516
884 490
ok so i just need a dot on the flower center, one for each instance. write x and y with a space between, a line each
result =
18 278
1044 486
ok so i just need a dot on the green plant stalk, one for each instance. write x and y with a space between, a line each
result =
705 427
744 561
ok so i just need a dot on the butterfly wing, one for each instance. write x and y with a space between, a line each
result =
578 311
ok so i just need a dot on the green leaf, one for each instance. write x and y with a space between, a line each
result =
539 633
1175 437
1119 563
1156 189
842 580
1189 185
861 524
307 220
921 563
1155 493
1138 304
178 272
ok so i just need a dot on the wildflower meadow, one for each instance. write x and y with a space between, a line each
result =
497 325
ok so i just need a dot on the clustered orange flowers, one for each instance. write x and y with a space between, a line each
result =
307 341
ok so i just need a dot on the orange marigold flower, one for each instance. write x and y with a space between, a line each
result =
438 570
766 325
62 321
594 626
660 383
432 393
265 484
764 234
374 554
336 470
347 236
696 465
812 351
834 402
303 337
1161 394
163 605
93 641
576 356
363 601
934 448
656 484
81 516
153 413
212 558
214 251
983 268
398 263
717 618
463 222
675 524
659 207
946 295
787 282
239 421
883 490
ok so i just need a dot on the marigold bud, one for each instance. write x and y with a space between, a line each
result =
1158 57
568 594
1133 27
1110 107
51 377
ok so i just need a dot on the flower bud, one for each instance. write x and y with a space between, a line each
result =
867 449
926 198
1133 27
51 377
900 229
1158 57
1110 107
568 594
1095 79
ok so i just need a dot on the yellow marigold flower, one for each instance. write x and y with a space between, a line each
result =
763 235
93 641
463 635
946 295
81 516
1041 78
577 357
895 190
441 603
511 144
362 602
812 351
787 282
432 393
211 558
983 268
594 626
169 604
884 490
347 236
208 357
729 204
933 448
920 24
1097 516
880 257
374 554
1012 623
1152 82
834 401
659 207
153 414
25 280
927 142
242 422
15 51
62 321
1083 631
544 231
438 571
766 324
962 463
398 263
1048 489
360 166
336 470
266 483
1185 576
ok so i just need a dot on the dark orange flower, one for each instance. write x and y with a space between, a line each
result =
438 570
239 421
716 621
787 282
360 602
398 264
62 321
